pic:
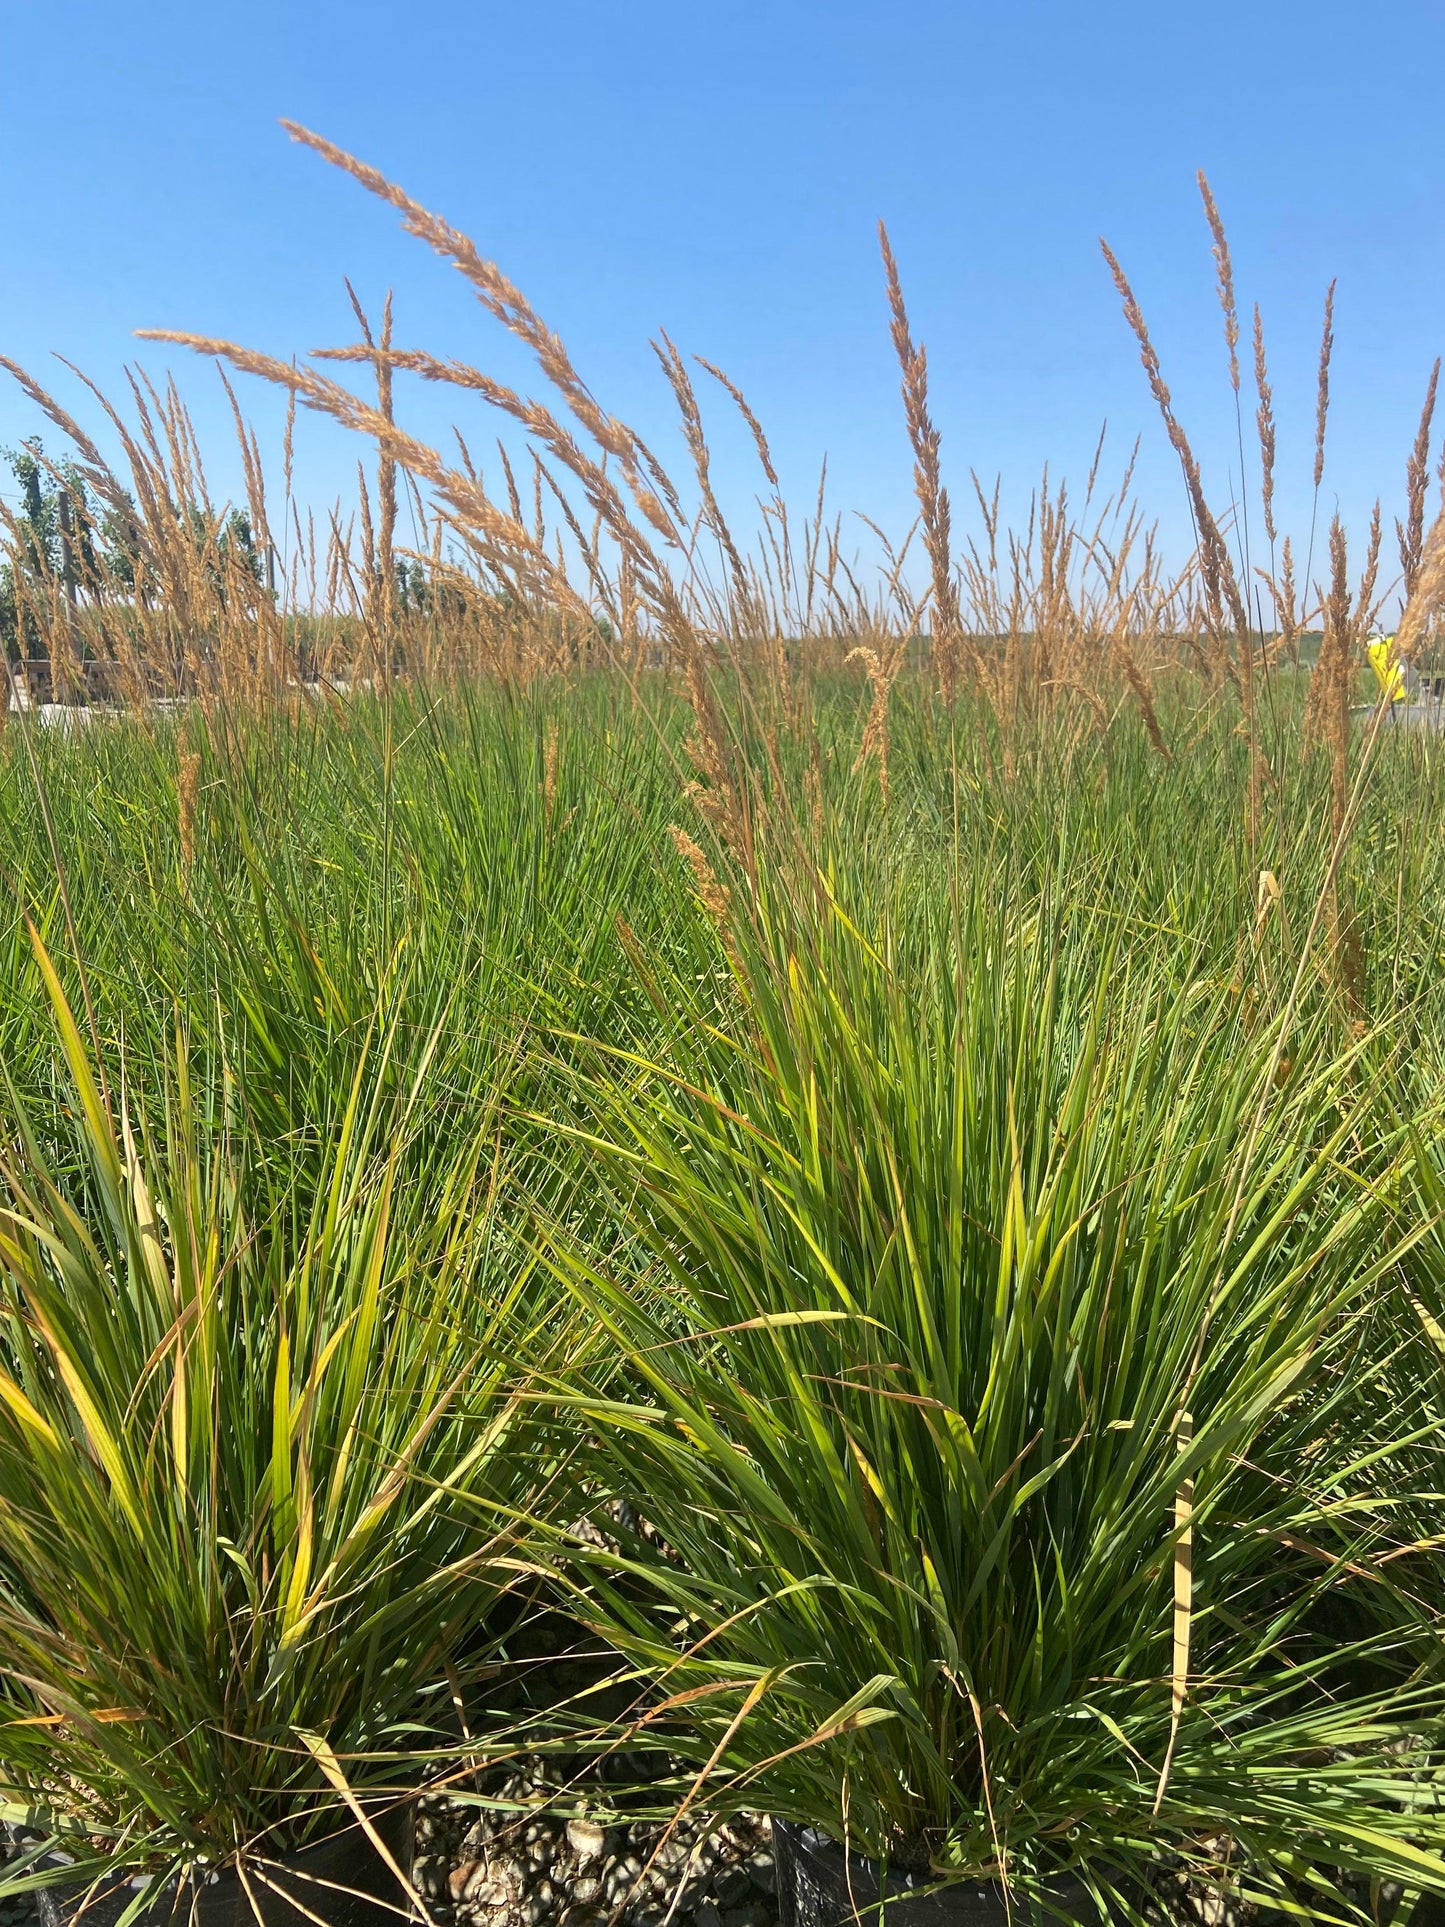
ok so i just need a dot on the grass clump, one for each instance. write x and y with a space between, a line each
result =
238 1591
991 1407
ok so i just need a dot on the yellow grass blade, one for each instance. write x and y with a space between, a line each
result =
1183 1604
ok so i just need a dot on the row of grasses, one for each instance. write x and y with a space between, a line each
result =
933 1295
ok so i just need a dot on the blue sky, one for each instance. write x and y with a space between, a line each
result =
718 170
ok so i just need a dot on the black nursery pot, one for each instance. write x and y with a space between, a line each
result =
819 1885
341 1880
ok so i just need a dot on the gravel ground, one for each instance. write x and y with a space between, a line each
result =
499 1871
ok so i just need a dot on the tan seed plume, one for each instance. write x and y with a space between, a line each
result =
1224 271
506 302
932 495
1427 597
1322 389
1411 532
1264 421
1221 586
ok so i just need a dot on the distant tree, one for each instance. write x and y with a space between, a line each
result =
413 591
238 538
120 542
34 548
58 534
37 521
224 548
9 611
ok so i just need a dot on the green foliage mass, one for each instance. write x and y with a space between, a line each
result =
867 1190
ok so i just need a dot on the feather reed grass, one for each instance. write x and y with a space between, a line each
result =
921 1166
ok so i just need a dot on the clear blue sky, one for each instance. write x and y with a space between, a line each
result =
718 170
